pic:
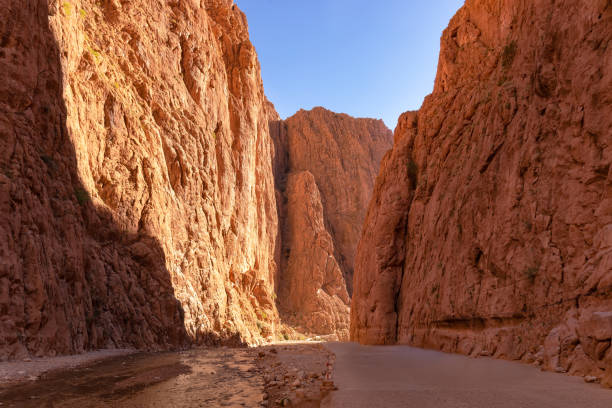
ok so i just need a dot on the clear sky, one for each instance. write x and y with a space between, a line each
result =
361 57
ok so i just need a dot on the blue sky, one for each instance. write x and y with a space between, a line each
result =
361 57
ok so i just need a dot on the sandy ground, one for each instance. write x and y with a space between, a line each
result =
31 369
401 376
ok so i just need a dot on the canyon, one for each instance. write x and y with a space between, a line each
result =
490 229
143 174
153 199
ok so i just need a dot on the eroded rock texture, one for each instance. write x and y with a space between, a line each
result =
137 202
490 229
325 166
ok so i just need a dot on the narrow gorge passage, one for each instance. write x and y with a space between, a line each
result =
175 234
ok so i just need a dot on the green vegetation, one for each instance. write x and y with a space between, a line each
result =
413 172
67 9
83 13
285 336
82 196
508 54
95 54
48 160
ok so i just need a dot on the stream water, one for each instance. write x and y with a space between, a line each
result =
194 378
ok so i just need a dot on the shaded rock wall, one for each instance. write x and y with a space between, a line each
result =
325 164
137 202
490 229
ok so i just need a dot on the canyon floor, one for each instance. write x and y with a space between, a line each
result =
402 376
297 375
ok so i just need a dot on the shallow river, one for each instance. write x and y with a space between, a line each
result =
196 378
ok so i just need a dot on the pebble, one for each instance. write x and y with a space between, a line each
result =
591 379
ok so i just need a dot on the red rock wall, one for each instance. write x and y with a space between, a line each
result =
137 202
325 167
490 229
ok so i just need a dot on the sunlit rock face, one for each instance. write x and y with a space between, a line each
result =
490 228
325 170
137 201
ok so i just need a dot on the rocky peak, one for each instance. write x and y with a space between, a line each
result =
326 175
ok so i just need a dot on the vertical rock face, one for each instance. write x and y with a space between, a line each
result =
325 166
490 229
137 202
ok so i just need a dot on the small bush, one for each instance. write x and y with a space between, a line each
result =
531 273
413 172
67 9
95 54
509 54
48 160
82 196
285 336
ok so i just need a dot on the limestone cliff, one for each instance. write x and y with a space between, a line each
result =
137 202
490 229
325 165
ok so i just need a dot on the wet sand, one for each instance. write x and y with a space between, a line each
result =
401 376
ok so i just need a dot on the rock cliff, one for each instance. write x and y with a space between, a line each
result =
137 202
490 228
141 190
325 166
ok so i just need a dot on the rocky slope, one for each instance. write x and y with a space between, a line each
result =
137 202
490 230
325 165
